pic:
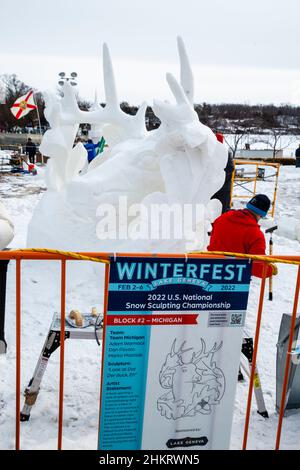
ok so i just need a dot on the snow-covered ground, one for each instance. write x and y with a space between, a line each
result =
40 299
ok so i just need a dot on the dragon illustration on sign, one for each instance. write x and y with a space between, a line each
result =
195 384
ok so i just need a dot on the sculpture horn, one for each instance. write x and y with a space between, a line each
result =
186 74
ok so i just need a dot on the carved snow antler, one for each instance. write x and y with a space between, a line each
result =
95 106
70 114
66 111
174 114
134 125
183 92
177 90
109 81
186 74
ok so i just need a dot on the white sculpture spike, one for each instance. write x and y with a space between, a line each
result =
95 106
140 115
70 113
69 99
176 89
186 74
111 96
96 130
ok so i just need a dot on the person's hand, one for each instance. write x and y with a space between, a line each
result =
274 269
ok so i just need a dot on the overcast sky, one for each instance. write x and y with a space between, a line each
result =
240 51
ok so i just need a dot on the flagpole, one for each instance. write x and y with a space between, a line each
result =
40 127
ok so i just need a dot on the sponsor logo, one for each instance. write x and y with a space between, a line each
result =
187 442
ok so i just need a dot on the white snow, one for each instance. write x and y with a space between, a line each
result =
290 226
6 228
40 299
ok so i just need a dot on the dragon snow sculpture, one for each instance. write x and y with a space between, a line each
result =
180 163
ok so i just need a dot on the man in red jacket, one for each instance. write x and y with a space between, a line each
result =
238 231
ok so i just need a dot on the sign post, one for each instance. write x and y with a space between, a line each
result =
173 336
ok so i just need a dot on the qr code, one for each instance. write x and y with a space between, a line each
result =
236 319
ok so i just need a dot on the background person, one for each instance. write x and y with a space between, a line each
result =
30 150
91 149
94 149
297 155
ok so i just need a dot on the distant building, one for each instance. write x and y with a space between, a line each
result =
254 154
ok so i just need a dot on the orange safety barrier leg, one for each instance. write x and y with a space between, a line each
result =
257 331
105 306
18 351
62 353
288 362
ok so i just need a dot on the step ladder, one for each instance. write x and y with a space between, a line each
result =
92 330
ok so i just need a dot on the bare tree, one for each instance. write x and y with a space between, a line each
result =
2 93
14 88
237 132
278 139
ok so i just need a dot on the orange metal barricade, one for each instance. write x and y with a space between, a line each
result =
62 352
20 255
256 340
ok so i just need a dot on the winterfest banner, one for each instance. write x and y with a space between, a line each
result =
172 343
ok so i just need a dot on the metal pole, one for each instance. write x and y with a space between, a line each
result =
40 127
18 351
106 287
275 189
271 277
62 353
258 323
232 183
255 181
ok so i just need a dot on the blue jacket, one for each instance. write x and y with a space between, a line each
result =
91 150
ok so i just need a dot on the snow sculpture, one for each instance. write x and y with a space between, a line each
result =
6 228
96 131
179 163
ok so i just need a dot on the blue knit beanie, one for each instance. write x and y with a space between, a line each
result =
259 204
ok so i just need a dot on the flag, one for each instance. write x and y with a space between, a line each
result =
101 145
23 105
